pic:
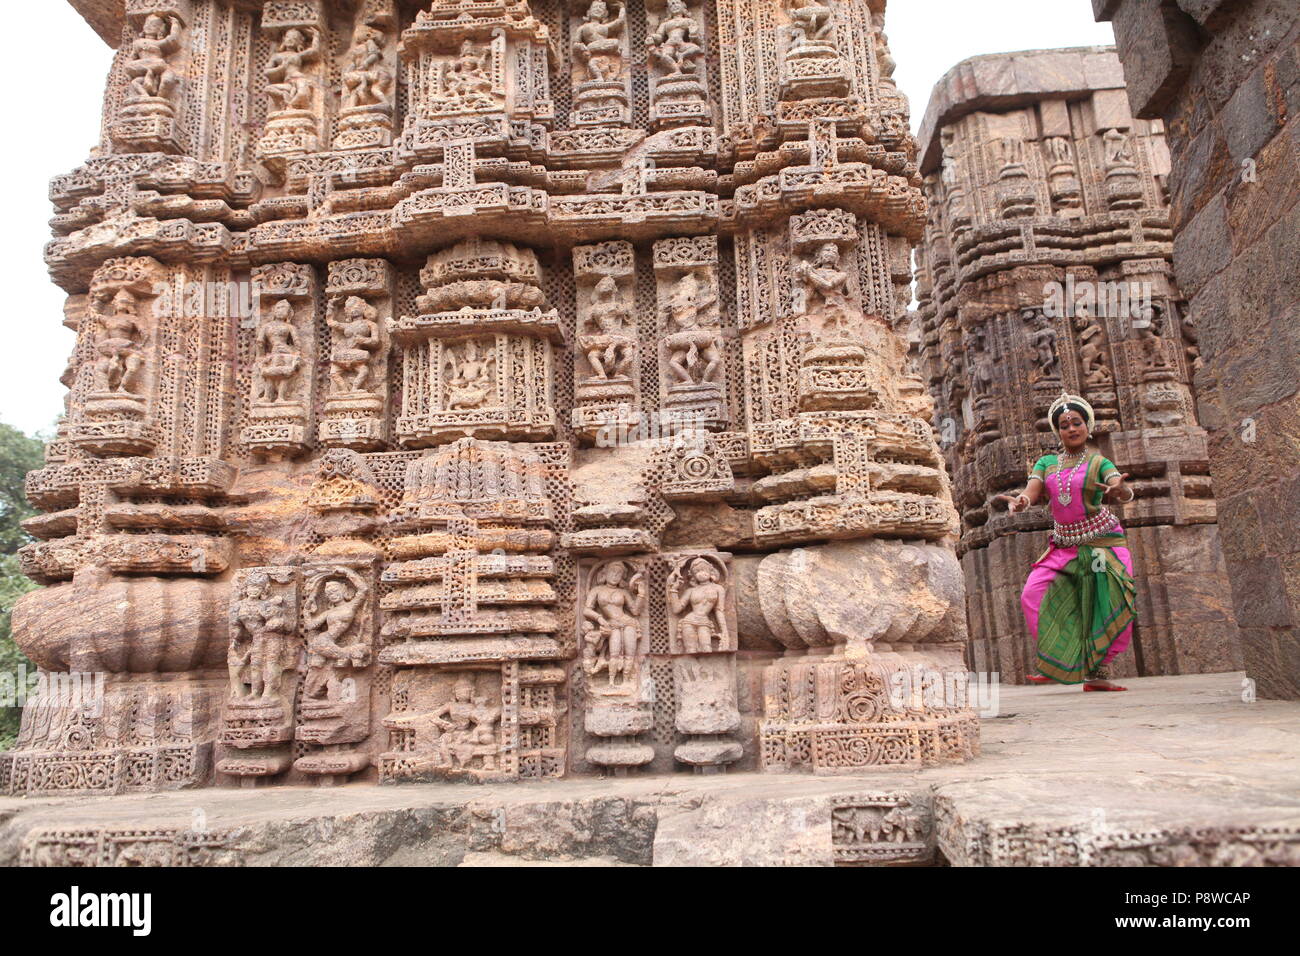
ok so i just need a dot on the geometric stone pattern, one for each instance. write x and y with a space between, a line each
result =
1224 79
445 375
1046 266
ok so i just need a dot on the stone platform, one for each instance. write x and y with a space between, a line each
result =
1179 771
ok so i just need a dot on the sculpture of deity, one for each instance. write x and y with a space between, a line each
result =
611 350
260 627
1043 339
468 725
615 606
814 22
119 355
329 623
1119 153
465 80
1092 347
278 355
357 339
149 67
701 606
366 81
471 376
677 42
1150 328
597 45
826 288
692 343
288 82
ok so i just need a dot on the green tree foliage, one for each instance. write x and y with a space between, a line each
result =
19 454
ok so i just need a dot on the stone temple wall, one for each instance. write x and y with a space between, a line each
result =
1224 77
1046 267
490 389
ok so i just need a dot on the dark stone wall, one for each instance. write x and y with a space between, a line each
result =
1225 77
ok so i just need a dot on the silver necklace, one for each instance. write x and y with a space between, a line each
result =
1063 494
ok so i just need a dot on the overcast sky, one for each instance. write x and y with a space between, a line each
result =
53 109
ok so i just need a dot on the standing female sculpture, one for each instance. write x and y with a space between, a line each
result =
1080 599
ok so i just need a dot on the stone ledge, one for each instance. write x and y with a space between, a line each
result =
1179 770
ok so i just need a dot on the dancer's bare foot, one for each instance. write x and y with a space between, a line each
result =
1102 685
1038 679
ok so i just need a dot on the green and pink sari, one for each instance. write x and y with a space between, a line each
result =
1080 602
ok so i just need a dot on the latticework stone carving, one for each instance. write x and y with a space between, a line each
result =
1046 266
449 374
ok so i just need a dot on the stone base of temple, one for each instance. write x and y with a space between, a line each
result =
1177 771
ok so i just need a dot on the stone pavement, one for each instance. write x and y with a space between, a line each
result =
1179 771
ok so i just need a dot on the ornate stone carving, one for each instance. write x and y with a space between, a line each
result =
146 120
283 384
458 405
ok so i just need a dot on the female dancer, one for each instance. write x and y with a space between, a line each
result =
1080 599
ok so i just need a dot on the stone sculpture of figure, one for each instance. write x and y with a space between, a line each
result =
814 21
692 345
117 343
149 67
1092 347
597 45
701 606
366 81
1150 327
356 339
615 606
471 375
329 623
1042 337
1058 150
260 628
826 288
677 42
278 356
611 349
1118 152
949 174
465 80
289 83
468 728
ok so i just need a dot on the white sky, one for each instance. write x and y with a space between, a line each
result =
53 108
